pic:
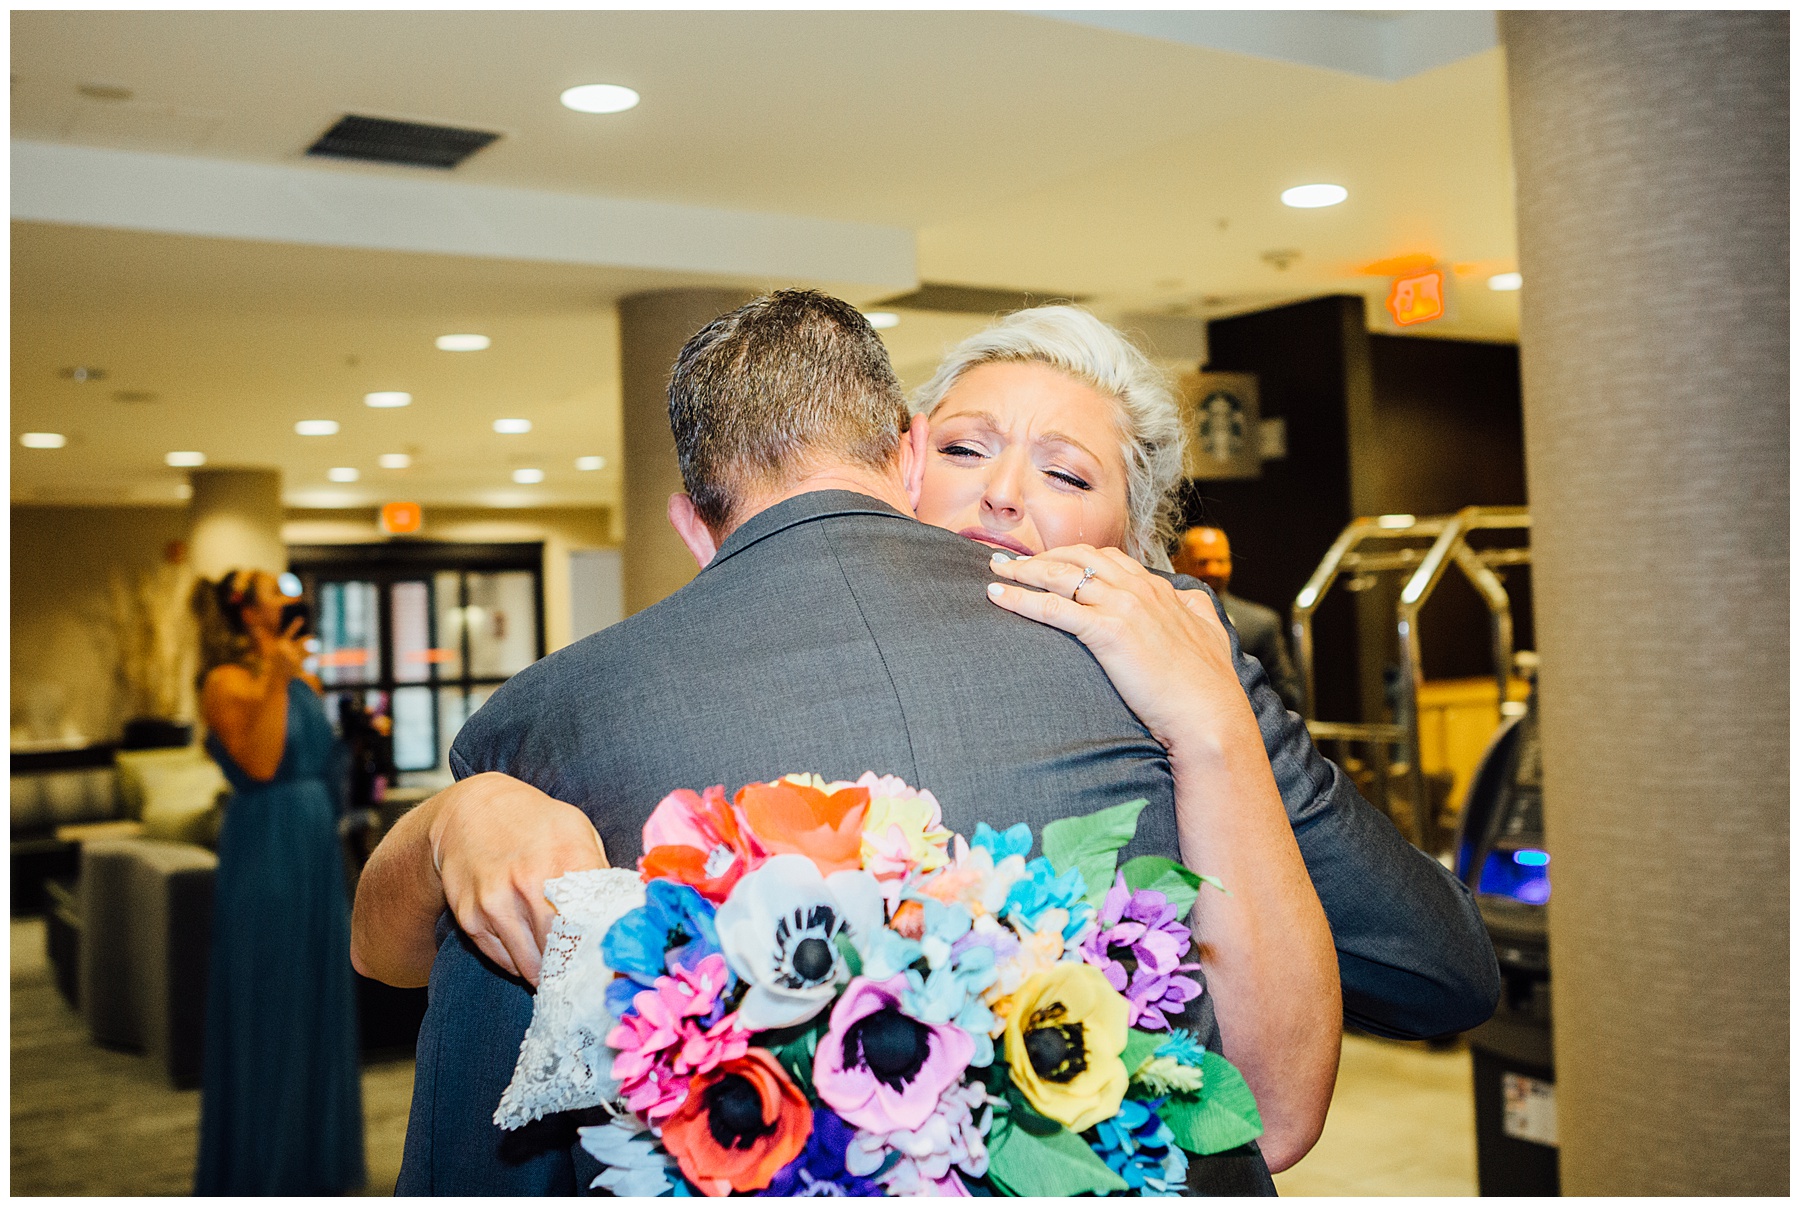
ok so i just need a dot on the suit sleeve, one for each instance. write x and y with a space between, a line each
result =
1284 675
1414 959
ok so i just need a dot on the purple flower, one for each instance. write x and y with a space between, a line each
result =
819 1169
880 1068
1137 943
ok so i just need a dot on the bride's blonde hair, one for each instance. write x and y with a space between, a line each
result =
1072 340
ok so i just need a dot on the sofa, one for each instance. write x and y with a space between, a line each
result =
129 919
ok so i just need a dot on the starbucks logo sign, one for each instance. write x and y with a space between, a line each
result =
1222 425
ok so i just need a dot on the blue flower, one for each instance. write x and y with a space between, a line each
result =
672 929
1183 1047
888 954
1041 889
944 925
819 1169
1138 1146
952 994
1015 841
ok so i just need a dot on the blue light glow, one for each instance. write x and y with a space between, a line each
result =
1532 859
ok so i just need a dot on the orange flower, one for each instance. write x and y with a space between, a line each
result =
909 920
791 818
739 1125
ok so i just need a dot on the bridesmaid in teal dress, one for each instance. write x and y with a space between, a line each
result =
281 1097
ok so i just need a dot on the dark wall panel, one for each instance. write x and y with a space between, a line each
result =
1375 424
1447 433
1281 523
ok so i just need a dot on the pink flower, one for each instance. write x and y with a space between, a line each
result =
879 1068
665 1042
951 1139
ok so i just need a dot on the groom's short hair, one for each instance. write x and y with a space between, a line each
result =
783 385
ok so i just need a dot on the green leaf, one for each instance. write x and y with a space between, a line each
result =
795 1048
852 958
1025 1115
1222 1116
1165 876
1140 1045
1059 1164
1092 844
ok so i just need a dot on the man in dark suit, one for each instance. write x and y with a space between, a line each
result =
830 632
1205 554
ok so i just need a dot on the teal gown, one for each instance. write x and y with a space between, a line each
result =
281 1090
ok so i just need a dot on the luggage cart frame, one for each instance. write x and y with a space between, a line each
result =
1398 742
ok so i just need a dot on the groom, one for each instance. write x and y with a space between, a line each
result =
832 633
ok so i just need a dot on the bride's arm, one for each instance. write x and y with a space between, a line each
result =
482 848
1266 947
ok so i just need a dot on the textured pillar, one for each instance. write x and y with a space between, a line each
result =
236 521
652 328
1651 151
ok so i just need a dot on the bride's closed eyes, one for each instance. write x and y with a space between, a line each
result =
969 452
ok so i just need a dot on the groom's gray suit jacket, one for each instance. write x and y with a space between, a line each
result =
834 635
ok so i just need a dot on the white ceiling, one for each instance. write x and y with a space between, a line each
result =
1019 151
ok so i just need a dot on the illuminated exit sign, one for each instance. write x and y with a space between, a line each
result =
1417 298
401 519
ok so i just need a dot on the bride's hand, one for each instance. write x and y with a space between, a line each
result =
1166 651
495 840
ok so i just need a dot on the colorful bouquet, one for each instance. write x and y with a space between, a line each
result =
814 988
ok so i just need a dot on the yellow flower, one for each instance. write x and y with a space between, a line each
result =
1064 1037
903 830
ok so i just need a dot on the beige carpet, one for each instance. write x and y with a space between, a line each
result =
88 1121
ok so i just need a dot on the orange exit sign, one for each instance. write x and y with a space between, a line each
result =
401 519
1417 298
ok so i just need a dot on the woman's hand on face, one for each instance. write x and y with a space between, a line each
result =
495 840
283 655
1166 651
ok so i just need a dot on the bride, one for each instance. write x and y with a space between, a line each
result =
1054 441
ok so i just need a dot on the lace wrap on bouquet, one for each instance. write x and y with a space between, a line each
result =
564 1063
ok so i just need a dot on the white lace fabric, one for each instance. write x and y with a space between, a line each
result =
564 1063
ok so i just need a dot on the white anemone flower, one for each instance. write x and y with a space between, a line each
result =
779 930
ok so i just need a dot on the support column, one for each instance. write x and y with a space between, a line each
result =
236 521
652 328
1651 152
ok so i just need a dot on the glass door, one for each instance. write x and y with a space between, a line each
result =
422 632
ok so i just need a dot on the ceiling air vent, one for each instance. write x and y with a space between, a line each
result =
412 143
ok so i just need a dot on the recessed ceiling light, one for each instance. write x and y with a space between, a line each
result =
590 463
1314 196
512 427
528 477
881 320
83 373
393 460
317 427
43 439
600 98
343 473
184 460
463 343
388 398
1397 520
1505 282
